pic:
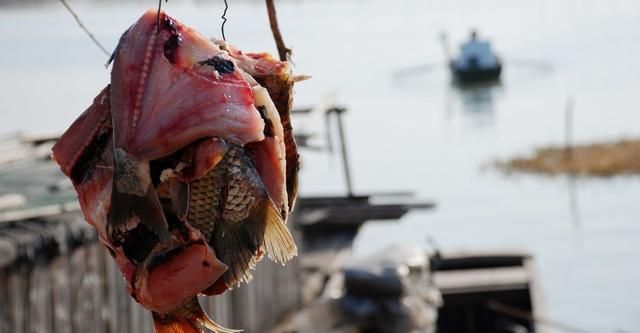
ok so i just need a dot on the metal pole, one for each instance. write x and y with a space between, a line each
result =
568 128
343 146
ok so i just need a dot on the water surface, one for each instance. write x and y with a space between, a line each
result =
418 133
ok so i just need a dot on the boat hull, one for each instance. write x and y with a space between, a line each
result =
475 75
487 292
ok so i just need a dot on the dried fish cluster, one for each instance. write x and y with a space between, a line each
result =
186 166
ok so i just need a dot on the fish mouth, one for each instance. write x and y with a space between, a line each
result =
168 279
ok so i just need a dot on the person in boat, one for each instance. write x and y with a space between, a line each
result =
476 54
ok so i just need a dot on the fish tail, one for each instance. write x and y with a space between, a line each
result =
278 241
236 245
241 245
189 318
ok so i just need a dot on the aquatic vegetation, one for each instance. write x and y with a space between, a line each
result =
604 159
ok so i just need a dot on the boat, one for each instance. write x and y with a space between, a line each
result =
487 292
476 62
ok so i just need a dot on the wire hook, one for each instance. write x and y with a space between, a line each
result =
158 16
224 19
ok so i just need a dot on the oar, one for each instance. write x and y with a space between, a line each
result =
418 69
530 63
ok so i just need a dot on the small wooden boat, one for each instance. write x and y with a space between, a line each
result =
475 63
487 292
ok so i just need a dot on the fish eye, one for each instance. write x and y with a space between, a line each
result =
222 65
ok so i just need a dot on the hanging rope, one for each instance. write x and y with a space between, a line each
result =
283 50
86 30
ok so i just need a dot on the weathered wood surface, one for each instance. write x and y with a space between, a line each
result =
55 277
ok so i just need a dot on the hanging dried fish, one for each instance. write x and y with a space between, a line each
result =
186 166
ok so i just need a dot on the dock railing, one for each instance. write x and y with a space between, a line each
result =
55 277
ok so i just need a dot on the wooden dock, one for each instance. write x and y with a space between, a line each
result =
56 277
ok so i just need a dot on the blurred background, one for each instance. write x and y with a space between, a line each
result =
418 131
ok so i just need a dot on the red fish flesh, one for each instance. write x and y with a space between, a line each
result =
186 166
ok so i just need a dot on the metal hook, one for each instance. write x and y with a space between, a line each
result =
224 19
158 17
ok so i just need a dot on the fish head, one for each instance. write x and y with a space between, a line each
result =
172 86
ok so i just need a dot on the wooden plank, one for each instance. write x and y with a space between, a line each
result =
19 298
8 253
80 289
4 305
40 300
92 284
36 139
12 201
538 305
76 274
112 276
475 280
25 152
354 210
61 295
39 212
122 303
353 215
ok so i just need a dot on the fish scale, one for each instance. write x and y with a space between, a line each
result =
229 206
246 190
235 175
205 196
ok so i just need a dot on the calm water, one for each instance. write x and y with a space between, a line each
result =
418 133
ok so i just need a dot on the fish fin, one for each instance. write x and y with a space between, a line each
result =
126 207
75 145
214 327
180 199
133 195
278 242
216 288
235 244
176 325
188 318
293 166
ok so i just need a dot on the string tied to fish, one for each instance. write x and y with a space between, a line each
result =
283 51
83 27
223 17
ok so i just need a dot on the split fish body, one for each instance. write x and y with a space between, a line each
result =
186 166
